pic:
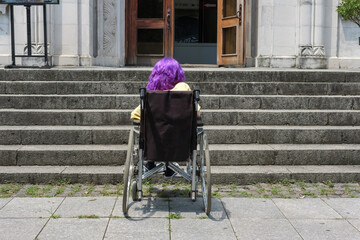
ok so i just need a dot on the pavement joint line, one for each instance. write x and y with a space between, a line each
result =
227 216
49 218
112 210
7 203
287 219
352 225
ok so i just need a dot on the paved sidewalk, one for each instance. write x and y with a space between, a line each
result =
179 218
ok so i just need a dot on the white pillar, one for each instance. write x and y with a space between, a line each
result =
305 27
319 28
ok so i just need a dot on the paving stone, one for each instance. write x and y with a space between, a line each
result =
189 209
355 223
86 206
311 229
206 229
251 208
138 228
279 229
30 207
146 208
73 228
305 209
348 208
24 229
4 201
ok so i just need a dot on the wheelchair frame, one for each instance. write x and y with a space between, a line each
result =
198 168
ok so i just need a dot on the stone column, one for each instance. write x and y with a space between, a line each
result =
311 48
319 28
305 27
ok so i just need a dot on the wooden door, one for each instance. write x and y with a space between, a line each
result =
149 32
230 32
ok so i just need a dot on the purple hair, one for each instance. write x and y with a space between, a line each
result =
166 74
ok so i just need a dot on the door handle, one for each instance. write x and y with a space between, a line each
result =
239 14
168 18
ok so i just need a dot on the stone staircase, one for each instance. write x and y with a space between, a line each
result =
263 125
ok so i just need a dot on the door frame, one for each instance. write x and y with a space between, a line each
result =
244 41
132 24
238 21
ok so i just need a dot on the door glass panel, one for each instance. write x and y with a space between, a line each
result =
150 41
229 8
229 40
150 8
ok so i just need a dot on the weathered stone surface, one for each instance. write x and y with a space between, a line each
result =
26 229
31 87
86 206
325 229
4 201
246 208
71 155
305 209
8 155
343 89
39 117
147 207
347 208
302 88
73 228
206 229
79 87
278 117
195 209
138 228
264 229
30 207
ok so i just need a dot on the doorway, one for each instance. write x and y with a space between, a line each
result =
195 31
191 31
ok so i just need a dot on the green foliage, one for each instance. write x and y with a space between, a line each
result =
174 216
350 10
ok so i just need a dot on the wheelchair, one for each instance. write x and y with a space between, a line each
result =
168 132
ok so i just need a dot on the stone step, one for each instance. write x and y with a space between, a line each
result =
210 117
69 135
220 174
220 154
112 101
228 88
191 74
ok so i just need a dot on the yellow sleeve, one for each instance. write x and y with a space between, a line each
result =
181 86
135 115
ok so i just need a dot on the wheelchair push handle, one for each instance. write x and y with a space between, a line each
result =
142 97
197 95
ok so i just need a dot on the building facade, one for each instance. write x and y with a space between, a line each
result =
260 33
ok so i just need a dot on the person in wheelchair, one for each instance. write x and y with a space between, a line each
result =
167 131
167 75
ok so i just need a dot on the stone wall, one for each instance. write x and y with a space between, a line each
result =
305 34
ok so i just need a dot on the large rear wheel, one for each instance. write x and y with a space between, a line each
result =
205 174
128 171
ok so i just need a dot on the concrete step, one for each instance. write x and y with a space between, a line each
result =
220 154
210 117
127 101
191 74
69 135
228 88
220 174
